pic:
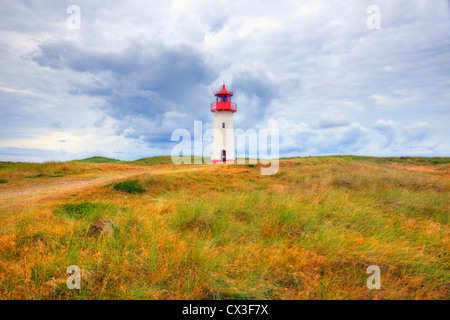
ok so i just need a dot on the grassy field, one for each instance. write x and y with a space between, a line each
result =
151 230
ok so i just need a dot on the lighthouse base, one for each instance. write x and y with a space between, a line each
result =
222 161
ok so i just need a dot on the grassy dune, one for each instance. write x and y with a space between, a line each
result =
225 231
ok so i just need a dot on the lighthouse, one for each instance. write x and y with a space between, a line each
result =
223 136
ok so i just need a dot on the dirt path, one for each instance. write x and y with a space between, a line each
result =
26 195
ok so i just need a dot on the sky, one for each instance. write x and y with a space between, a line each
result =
135 71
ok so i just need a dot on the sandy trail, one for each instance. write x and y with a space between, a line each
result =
23 196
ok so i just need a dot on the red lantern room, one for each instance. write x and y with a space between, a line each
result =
223 101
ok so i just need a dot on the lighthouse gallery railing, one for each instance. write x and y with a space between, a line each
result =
223 106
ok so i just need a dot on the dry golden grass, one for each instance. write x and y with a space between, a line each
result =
225 231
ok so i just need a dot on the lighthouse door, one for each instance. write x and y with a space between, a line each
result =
224 155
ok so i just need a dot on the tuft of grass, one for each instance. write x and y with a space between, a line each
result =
101 226
81 210
3 180
129 186
40 175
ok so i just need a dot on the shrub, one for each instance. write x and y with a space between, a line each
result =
3 180
130 186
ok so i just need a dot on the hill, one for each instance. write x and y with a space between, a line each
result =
151 161
226 232
100 160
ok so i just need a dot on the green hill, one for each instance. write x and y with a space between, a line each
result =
151 161
101 160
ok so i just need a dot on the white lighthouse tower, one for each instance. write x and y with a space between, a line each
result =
223 137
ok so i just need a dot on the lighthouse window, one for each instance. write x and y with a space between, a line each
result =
223 124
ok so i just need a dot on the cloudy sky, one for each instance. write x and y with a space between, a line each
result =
134 71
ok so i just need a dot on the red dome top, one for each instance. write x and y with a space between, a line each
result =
224 91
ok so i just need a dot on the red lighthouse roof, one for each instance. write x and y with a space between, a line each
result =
224 92
223 101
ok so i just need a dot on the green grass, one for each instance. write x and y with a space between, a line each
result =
41 175
80 210
129 186
3 180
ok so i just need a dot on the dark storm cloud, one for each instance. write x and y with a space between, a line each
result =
258 91
256 85
170 72
139 82
61 54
